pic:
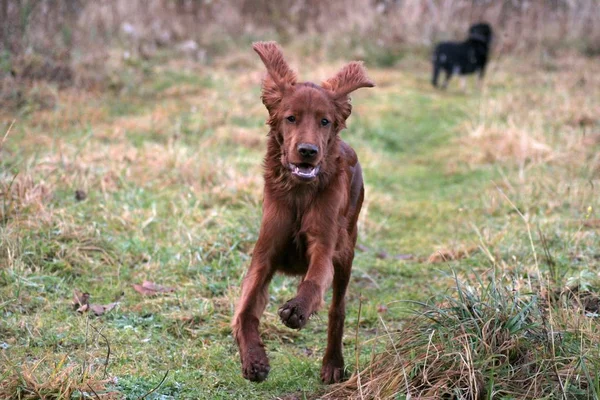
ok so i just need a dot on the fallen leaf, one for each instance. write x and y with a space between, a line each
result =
83 308
80 299
142 290
148 288
81 304
445 255
382 308
98 309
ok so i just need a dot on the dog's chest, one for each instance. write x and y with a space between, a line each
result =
295 258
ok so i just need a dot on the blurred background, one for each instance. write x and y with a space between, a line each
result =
83 43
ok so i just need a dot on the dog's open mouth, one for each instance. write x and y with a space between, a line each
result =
304 170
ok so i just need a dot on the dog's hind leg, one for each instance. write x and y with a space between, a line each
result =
480 79
332 370
481 72
447 78
436 74
463 83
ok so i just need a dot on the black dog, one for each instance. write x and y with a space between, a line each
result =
463 58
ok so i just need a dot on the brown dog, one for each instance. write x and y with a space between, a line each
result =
312 196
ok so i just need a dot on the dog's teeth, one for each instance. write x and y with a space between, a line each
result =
304 172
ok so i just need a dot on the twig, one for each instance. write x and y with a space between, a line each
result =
107 350
562 386
85 344
526 221
156 388
357 347
93 391
549 258
398 357
6 134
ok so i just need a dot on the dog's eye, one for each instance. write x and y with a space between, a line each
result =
324 122
291 118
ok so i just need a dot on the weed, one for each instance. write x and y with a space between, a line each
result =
488 340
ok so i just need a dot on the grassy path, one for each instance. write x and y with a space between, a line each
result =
171 170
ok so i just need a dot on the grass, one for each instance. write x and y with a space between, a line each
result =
502 184
491 340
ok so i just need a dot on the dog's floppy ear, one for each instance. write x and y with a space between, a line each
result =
280 77
351 77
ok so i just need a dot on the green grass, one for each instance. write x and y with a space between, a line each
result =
172 171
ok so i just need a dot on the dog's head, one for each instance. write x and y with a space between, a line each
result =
481 32
305 118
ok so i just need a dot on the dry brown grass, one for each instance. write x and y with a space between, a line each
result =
108 159
22 194
485 342
552 119
71 40
451 254
60 379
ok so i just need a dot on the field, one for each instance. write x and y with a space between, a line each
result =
160 180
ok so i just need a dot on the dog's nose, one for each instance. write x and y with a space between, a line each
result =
307 150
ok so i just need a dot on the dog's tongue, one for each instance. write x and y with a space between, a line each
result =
306 169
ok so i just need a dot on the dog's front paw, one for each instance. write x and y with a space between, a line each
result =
293 314
332 372
255 365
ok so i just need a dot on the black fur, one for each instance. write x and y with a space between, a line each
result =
463 57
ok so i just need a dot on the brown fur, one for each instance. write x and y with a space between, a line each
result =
309 223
